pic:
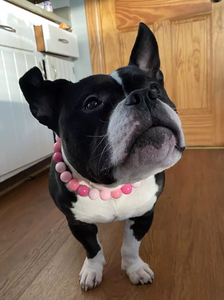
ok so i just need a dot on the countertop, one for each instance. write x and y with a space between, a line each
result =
39 11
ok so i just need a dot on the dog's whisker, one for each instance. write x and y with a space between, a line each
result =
100 153
98 136
107 171
112 104
104 122
97 146
106 148
93 142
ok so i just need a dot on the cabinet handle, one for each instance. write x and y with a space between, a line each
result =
7 28
63 41
55 71
42 70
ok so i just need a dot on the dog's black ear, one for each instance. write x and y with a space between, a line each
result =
44 97
145 53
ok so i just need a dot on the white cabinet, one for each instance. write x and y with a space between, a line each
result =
22 139
15 30
52 39
57 68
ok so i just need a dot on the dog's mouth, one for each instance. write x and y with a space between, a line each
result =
180 149
154 150
156 137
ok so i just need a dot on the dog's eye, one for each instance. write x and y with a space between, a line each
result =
92 103
154 89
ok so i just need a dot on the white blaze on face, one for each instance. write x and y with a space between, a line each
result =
116 76
119 137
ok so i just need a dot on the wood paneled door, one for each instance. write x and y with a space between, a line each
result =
190 34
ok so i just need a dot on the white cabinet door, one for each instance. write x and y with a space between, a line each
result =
59 68
22 139
15 30
59 41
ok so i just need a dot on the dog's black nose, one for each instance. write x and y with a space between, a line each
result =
134 99
138 97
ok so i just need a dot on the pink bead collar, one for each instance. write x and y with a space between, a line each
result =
83 190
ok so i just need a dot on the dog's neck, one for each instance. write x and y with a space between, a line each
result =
85 188
85 181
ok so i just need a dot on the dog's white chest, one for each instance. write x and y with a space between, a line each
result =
136 204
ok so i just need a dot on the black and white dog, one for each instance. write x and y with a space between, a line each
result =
115 129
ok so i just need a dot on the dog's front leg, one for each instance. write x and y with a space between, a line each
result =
134 230
92 269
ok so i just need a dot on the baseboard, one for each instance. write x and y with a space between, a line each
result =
36 170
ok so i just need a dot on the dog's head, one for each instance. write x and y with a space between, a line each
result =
117 128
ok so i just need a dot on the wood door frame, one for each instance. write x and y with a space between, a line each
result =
94 25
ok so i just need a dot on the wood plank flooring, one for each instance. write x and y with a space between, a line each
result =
40 260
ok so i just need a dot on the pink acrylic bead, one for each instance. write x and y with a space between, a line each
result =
126 189
73 184
60 167
57 138
136 184
57 147
105 195
66 176
83 190
116 194
57 157
94 194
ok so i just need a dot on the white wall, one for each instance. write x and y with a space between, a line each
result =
82 65
60 3
78 18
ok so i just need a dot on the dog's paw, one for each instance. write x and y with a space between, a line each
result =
139 273
142 275
92 272
90 279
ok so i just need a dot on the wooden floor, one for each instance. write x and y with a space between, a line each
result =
39 258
